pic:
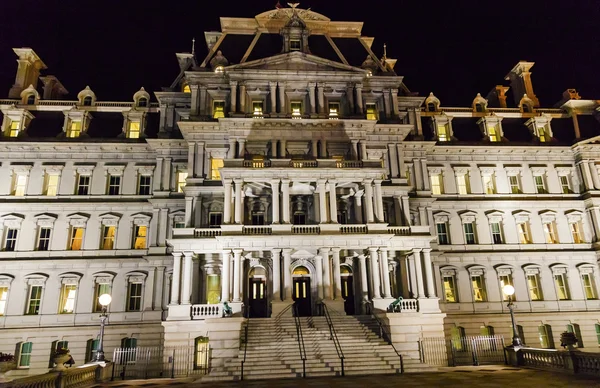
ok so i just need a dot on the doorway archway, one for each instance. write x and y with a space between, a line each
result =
301 290
347 288
257 292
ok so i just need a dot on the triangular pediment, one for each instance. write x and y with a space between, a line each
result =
295 61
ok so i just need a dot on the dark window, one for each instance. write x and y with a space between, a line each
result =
478 108
258 218
295 45
299 218
31 99
11 239
342 218
215 220
442 233
144 186
44 239
143 102
114 184
526 108
134 302
431 107
83 185
87 101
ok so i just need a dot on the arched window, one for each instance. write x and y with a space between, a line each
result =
87 101
526 108
546 339
458 336
431 107
478 108
143 102
301 271
31 99
486 331
574 328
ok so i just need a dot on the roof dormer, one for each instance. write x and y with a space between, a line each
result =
432 103
526 104
15 121
86 97
141 99
29 96
539 126
295 33
479 104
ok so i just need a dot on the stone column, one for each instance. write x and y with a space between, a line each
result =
238 201
233 96
282 149
242 150
227 200
428 273
350 97
243 98
337 277
275 189
311 98
322 203
319 269
159 289
378 200
285 190
359 100
176 281
375 277
354 150
321 91
406 209
231 150
324 253
199 168
395 108
332 202
202 99
287 274
273 95
225 275
167 174
276 257
385 273
323 149
188 211
162 227
237 271
186 291
358 208
424 171
364 285
369 200
393 160
190 164
157 175
419 273
418 181
363 150
314 149
282 107
400 156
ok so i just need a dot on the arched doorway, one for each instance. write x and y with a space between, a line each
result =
257 293
301 291
347 289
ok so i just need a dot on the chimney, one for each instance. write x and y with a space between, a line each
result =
53 89
28 71
569 94
520 81
497 96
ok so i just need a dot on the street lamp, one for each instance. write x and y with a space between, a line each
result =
510 291
104 301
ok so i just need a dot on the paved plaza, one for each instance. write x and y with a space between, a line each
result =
493 376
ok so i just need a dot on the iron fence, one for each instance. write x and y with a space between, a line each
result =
474 350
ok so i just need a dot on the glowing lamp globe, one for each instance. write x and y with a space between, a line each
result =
508 290
105 299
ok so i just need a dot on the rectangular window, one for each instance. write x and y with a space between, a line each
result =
257 108
523 230
540 186
76 238
44 238
74 129
139 239
134 297
505 280
334 110
114 185
372 113
101 289
108 237
51 184
34 301
179 225
545 333
575 329
296 108
218 109
478 283
562 290
24 355
489 184
437 186
576 232
67 299
443 133
494 133
496 233
215 165
19 184
83 184
14 128
550 232
469 228
258 218
598 332
565 184
588 286
215 219
462 184
442 233
450 289
144 184
201 360
300 218
133 131
533 283
515 187
92 349
3 299
10 244
181 180
295 45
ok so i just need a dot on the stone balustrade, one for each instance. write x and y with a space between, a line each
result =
306 229
399 230
257 230
203 311
353 229
70 378
207 232
573 361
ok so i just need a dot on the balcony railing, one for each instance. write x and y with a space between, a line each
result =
353 229
399 230
267 230
258 230
407 306
349 164
257 163
207 232
203 311
306 229
304 163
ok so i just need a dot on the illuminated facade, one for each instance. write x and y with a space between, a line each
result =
288 177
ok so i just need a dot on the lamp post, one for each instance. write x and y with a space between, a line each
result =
104 301
510 291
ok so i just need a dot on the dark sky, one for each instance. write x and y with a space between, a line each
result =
454 48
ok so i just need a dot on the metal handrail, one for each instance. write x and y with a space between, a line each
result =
333 336
245 343
300 338
383 331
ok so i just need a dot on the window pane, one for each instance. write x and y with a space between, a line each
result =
144 185
449 289
496 233
35 300
534 289
181 180
462 182
108 237
372 112
83 185
442 233
3 299
11 239
140 237
560 282
479 294
134 130
436 184
588 286
215 165
44 239
20 185
51 188
76 239
25 354
514 184
114 185
469 229
135 297
101 289
67 298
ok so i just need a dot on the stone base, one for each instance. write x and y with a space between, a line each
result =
232 228
382 304
377 228
281 228
329 228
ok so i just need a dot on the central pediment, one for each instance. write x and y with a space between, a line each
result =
296 61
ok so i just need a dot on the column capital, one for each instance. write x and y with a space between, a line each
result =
377 182
358 86
226 251
275 181
417 250
323 251
361 257
287 251
272 84
359 193
177 254
373 249
276 251
367 181
318 258
312 85
332 181
188 254
238 252
285 181
354 141
321 181
233 83
238 181
241 140
384 249
336 249
426 250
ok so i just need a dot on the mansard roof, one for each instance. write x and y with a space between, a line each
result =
296 61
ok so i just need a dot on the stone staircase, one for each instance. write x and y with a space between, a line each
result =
273 351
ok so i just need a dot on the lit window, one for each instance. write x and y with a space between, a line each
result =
576 232
296 107
219 69
134 297
550 232
437 186
334 110
24 359
494 133
67 299
14 128
218 109
186 88
51 184
83 184
540 187
515 187
181 180
295 44
11 239
562 290
462 184
506 280
74 129
478 283
215 219
34 301
372 112
489 186
442 233
44 238
213 288
543 133
139 240
588 286
133 130
523 230
565 184
215 165
3 298
257 108
144 184
202 353
545 333
486 331
450 289
496 233
101 289
443 133
533 283
76 238
108 237
114 185
19 184
469 228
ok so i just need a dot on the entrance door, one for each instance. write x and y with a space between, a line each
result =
258 298
301 296
348 294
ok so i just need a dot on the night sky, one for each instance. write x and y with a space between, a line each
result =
454 48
